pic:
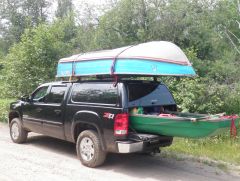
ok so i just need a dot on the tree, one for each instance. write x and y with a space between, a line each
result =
35 11
208 31
17 15
34 59
64 8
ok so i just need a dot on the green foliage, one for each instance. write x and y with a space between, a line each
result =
117 27
225 70
186 23
17 15
205 96
84 41
4 109
215 90
216 148
33 60
64 9
197 95
208 31
232 101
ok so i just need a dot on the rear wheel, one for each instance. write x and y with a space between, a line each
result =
89 149
17 132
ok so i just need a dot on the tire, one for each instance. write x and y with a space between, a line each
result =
17 133
89 149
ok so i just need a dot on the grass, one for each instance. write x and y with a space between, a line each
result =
222 167
221 148
4 108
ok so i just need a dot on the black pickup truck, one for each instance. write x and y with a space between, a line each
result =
92 114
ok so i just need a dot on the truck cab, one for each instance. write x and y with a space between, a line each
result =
94 115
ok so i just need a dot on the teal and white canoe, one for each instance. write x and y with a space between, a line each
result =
157 58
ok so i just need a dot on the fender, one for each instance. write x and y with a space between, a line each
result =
14 113
15 109
90 118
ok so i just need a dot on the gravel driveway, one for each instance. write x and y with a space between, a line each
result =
45 158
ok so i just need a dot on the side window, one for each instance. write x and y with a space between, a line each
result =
95 93
39 95
56 94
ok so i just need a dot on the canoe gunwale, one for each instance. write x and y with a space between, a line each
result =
184 119
132 74
129 58
158 117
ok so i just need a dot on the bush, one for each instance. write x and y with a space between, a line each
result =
4 109
198 95
232 101
33 60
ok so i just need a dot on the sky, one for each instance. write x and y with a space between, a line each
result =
76 2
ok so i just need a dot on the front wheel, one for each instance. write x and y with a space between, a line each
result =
17 132
89 149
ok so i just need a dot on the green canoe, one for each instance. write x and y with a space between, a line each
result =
182 125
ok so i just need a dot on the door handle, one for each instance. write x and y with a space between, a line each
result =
39 109
57 111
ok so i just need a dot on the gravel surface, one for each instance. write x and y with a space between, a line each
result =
45 158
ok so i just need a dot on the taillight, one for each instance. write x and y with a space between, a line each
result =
121 124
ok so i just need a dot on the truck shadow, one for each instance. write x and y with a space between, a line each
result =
164 168
53 145
136 165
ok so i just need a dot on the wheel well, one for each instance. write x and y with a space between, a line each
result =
12 115
81 127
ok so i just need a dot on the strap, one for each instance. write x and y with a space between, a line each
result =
233 129
74 64
115 59
114 63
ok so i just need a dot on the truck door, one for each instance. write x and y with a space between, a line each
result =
33 115
53 110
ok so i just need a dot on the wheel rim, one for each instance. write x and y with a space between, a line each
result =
15 131
86 149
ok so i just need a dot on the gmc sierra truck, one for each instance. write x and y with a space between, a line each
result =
92 114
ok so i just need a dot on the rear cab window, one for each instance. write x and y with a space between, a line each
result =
95 93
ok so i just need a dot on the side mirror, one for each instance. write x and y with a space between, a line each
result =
25 98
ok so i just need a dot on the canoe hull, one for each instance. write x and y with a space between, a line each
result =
180 128
123 67
149 59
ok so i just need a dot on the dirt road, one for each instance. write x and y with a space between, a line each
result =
44 158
